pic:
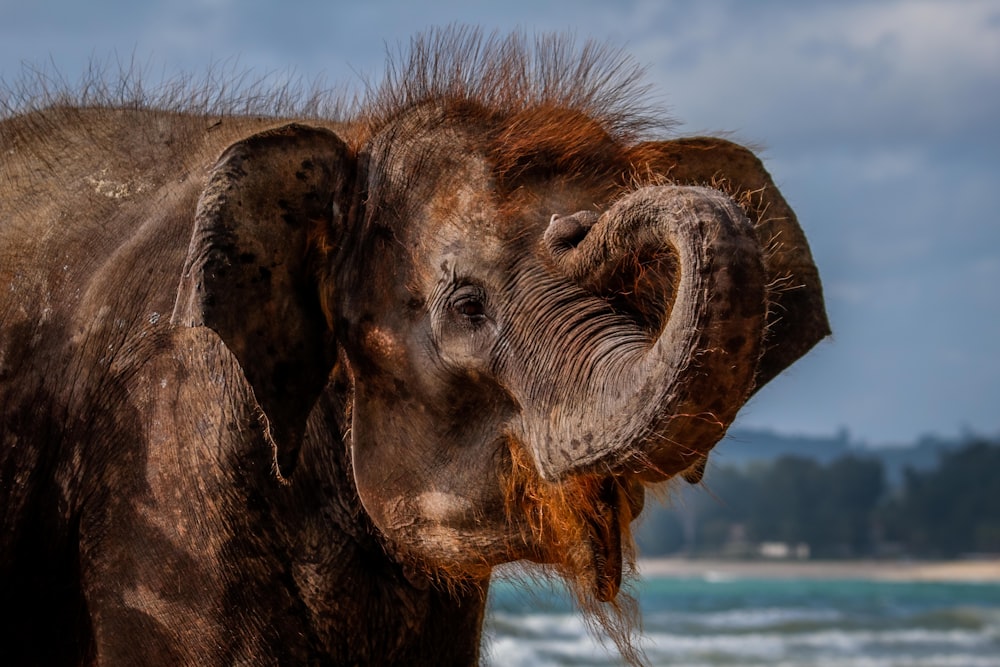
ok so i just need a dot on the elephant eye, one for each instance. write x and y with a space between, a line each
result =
471 309
468 303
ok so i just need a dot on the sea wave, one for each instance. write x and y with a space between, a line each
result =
812 650
789 618
819 624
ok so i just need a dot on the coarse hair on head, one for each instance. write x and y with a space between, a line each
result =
504 75
507 79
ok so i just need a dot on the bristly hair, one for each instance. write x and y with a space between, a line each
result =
561 516
510 74
225 88
505 74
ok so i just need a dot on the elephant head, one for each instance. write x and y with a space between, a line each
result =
538 316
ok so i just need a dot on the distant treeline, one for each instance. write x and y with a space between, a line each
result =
843 507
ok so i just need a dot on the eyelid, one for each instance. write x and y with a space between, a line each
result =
467 294
467 290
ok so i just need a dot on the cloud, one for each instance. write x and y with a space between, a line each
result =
800 74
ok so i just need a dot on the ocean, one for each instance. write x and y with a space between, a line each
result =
724 620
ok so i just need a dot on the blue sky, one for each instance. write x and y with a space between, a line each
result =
880 121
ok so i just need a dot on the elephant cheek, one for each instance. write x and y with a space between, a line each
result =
380 344
438 503
383 470
384 459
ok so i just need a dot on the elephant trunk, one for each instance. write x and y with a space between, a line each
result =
673 358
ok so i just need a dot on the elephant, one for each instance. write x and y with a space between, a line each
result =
281 389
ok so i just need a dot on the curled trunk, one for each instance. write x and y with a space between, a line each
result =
658 390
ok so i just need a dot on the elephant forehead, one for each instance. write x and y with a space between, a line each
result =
467 221
416 162
462 208
458 230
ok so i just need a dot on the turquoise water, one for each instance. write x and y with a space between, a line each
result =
750 622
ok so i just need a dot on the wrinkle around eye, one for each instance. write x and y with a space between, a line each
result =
463 329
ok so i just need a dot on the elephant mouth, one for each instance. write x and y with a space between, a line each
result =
578 526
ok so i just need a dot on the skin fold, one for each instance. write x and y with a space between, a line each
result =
281 390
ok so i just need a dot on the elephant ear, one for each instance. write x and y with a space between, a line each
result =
249 275
796 317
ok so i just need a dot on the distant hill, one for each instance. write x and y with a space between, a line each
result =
766 494
743 447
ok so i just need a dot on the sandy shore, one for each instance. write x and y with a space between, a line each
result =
944 571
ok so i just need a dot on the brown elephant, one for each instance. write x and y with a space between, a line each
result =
278 391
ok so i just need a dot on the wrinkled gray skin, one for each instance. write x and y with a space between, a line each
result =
262 385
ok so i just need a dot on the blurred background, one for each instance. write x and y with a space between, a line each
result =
880 122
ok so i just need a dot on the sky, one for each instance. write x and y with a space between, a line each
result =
879 121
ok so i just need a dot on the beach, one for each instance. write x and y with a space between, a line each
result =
952 571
